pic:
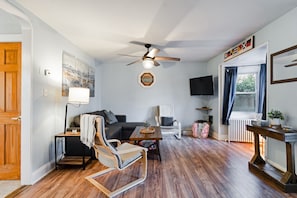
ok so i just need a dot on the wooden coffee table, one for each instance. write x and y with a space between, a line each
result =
136 136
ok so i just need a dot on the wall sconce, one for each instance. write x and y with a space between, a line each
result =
77 96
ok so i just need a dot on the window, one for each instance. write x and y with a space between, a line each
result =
246 92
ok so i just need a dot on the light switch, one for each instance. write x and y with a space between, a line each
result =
47 72
45 92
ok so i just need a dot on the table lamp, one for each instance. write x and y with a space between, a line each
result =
77 96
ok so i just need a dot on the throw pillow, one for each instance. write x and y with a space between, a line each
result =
75 122
101 113
110 117
166 121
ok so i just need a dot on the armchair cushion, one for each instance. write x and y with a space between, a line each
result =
167 121
128 157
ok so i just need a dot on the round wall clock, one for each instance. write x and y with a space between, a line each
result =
146 79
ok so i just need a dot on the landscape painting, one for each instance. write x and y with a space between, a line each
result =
77 74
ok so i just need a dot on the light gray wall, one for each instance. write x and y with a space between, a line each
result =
117 88
212 68
122 93
47 112
279 35
9 24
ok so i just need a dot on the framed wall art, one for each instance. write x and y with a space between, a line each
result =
146 79
76 73
284 65
240 48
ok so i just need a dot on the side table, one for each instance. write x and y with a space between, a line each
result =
137 136
81 160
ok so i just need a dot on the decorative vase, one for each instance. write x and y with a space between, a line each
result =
275 121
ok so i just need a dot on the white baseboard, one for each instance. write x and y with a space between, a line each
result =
223 137
42 172
187 132
214 135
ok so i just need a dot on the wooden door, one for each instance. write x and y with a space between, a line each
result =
10 110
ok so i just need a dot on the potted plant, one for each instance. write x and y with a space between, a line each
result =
275 116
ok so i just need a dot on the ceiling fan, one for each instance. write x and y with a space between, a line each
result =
149 59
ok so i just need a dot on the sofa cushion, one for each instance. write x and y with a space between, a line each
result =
101 113
118 130
128 128
131 125
121 118
110 117
113 131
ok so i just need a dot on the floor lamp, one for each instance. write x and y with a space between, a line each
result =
77 96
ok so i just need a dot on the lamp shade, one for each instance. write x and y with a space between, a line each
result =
79 95
148 63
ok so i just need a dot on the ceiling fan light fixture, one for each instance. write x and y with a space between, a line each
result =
148 63
150 58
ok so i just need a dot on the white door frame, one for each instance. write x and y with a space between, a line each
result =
239 60
26 82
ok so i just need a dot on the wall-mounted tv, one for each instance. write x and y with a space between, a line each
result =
201 86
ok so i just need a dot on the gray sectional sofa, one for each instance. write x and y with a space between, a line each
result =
116 128
116 125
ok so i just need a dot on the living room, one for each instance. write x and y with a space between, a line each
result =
117 86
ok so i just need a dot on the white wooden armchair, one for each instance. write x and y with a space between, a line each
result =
166 121
119 157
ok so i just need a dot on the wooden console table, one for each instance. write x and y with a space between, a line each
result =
286 181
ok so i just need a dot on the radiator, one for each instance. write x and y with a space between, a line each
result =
237 131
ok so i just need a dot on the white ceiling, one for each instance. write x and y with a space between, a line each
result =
194 30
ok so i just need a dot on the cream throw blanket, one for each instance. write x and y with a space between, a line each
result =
87 129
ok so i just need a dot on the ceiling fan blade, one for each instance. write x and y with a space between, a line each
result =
151 55
137 43
165 58
156 63
134 62
128 55
144 43
153 52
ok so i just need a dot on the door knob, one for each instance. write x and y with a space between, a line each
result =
17 118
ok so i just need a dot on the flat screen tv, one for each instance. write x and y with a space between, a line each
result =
201 86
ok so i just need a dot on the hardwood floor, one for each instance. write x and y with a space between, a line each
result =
189 168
